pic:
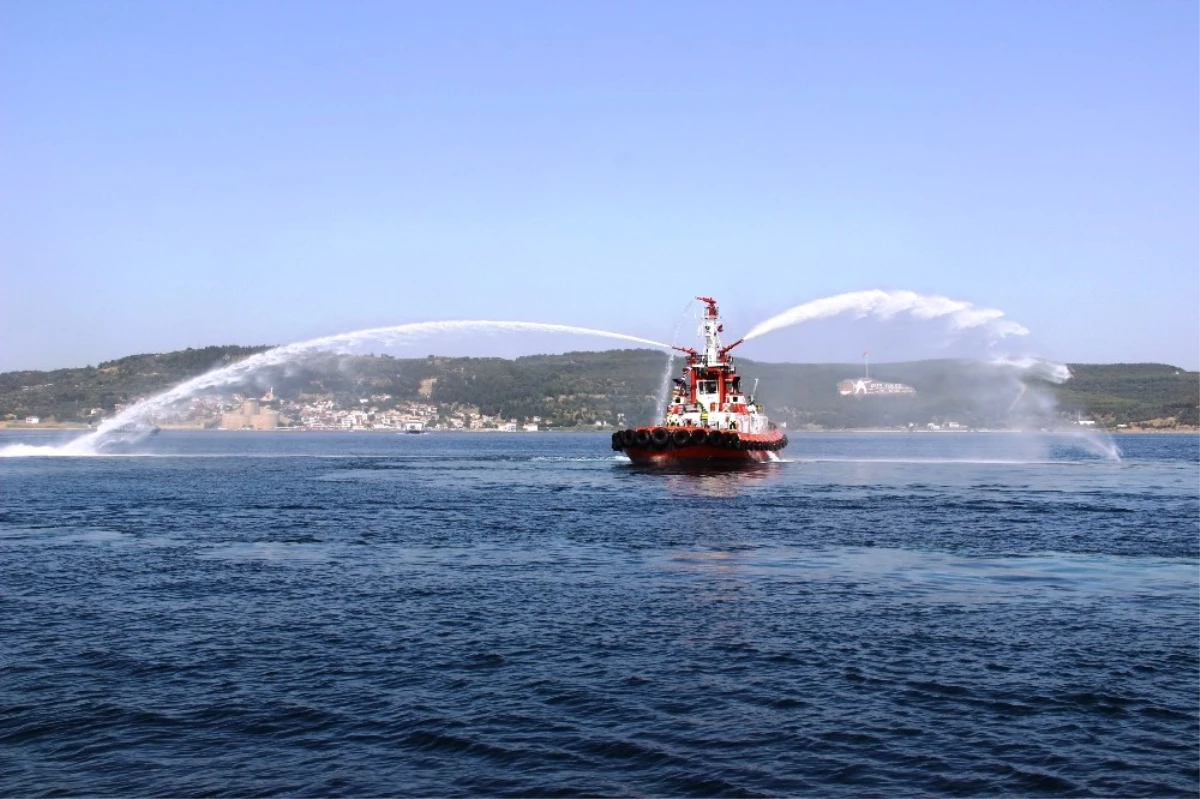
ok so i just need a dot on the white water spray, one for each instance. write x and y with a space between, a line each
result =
664 390
1034 403
1052 371
340 343
1044 406
888 304
1012 406
1040 368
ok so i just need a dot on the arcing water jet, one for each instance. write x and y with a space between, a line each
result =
888 304
1032 404
342 342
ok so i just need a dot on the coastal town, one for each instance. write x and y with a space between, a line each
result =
374 412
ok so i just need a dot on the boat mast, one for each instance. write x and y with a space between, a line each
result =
712 363
710 328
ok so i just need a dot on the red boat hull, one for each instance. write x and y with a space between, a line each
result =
669 445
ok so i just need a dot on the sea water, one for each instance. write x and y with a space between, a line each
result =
529 614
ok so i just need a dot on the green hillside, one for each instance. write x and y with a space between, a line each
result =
1132 392
581 387
72 394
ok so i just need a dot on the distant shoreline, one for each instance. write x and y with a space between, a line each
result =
60 427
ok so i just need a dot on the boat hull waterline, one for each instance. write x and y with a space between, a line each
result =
680 444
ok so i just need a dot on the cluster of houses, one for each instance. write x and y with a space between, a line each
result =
377 412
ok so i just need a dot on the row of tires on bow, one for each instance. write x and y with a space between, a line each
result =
660 439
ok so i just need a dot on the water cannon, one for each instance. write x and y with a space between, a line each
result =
725 350
711 311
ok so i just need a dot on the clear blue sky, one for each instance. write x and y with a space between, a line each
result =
189 173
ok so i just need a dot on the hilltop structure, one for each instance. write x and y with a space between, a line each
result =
865 386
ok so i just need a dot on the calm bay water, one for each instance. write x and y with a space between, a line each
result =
352 615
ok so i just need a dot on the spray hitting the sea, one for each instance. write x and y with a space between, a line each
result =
1033 406
888 304
341 343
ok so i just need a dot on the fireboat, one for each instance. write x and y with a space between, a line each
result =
709 416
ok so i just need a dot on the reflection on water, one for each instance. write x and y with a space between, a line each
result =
708 480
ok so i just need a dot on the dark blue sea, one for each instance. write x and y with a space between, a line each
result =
261 614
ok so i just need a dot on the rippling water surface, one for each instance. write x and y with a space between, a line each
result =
338 614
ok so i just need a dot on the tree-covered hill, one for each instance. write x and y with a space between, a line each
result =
623 385
72 394
1132 392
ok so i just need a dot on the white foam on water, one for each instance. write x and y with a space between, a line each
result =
35 451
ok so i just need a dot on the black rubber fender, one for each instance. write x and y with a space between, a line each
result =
641 439
680 438
659 437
